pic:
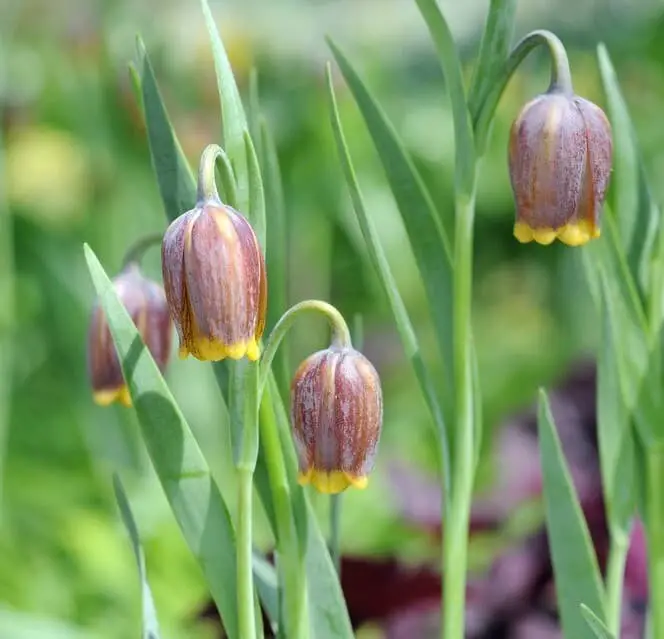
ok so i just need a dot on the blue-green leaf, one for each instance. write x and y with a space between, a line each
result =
498 32
384 272
174 176
463 130
596 625
614 432
183 472
149 613
276 248
234 120
575 567
256 210
267 586
425 234
636 213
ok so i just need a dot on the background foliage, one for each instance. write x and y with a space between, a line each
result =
75 167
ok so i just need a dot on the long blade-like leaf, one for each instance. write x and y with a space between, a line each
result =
614 433
575 567
149 612
600 630
427 239
448 56
176 181
185 477
384 272
637 214
277 249
494 49
234 120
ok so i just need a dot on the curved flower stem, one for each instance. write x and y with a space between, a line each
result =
340 333
457 510
561 78
207 186
137 250
245 578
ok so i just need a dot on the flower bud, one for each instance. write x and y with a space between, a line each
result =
336 415
146 304
560 161
214 277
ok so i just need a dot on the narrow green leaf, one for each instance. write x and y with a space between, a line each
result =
254 116
427 239
384 272
234 120
575 567
636 213
277 250
176 181
267 586
149 612
256 211
494 50
448 57
185 477
596 625
616 446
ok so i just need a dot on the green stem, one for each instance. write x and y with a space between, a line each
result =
457 519
655 535
207 186
136 250
615 573
340 333
245 580
561 78
290 565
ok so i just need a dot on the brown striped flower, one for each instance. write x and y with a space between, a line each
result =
214 277
336 416
146 304
560 162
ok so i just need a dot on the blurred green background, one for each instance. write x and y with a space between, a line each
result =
75 167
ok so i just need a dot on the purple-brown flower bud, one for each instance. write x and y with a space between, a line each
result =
336 415
146 304
214 277
560 162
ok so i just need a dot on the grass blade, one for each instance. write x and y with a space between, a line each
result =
600 630
636 213
382 268
149 613
575 567
277 250
233 118
427 239
177 185
494 50
185 477
451 64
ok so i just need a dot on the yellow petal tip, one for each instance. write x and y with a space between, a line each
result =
107 397
572 234
332 482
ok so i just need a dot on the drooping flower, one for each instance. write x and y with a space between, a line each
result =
336 416
215 282
560 161
146 304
